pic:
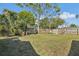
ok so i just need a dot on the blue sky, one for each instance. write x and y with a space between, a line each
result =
9 6
70 9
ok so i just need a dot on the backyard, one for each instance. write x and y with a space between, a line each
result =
49 44
39 29
42 44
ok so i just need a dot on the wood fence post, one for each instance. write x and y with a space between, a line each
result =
77 31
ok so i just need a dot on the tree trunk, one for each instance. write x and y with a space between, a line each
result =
25 30
38 27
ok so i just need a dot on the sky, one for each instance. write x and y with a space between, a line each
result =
68 11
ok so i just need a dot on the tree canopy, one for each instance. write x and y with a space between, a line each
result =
18 22
14 22
44 23
73 25
52 23
40 9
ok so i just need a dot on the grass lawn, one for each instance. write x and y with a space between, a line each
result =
40 44
49 44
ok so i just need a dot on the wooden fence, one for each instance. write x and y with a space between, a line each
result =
61 31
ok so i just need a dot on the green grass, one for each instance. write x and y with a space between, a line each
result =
49 44
43 44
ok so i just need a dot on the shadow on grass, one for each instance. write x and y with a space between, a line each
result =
74 51
15 47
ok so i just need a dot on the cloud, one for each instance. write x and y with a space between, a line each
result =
67 15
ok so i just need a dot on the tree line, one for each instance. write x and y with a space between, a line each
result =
16 23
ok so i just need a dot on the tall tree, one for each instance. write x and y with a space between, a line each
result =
11 17
39 9
55 22
25 19
44 23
